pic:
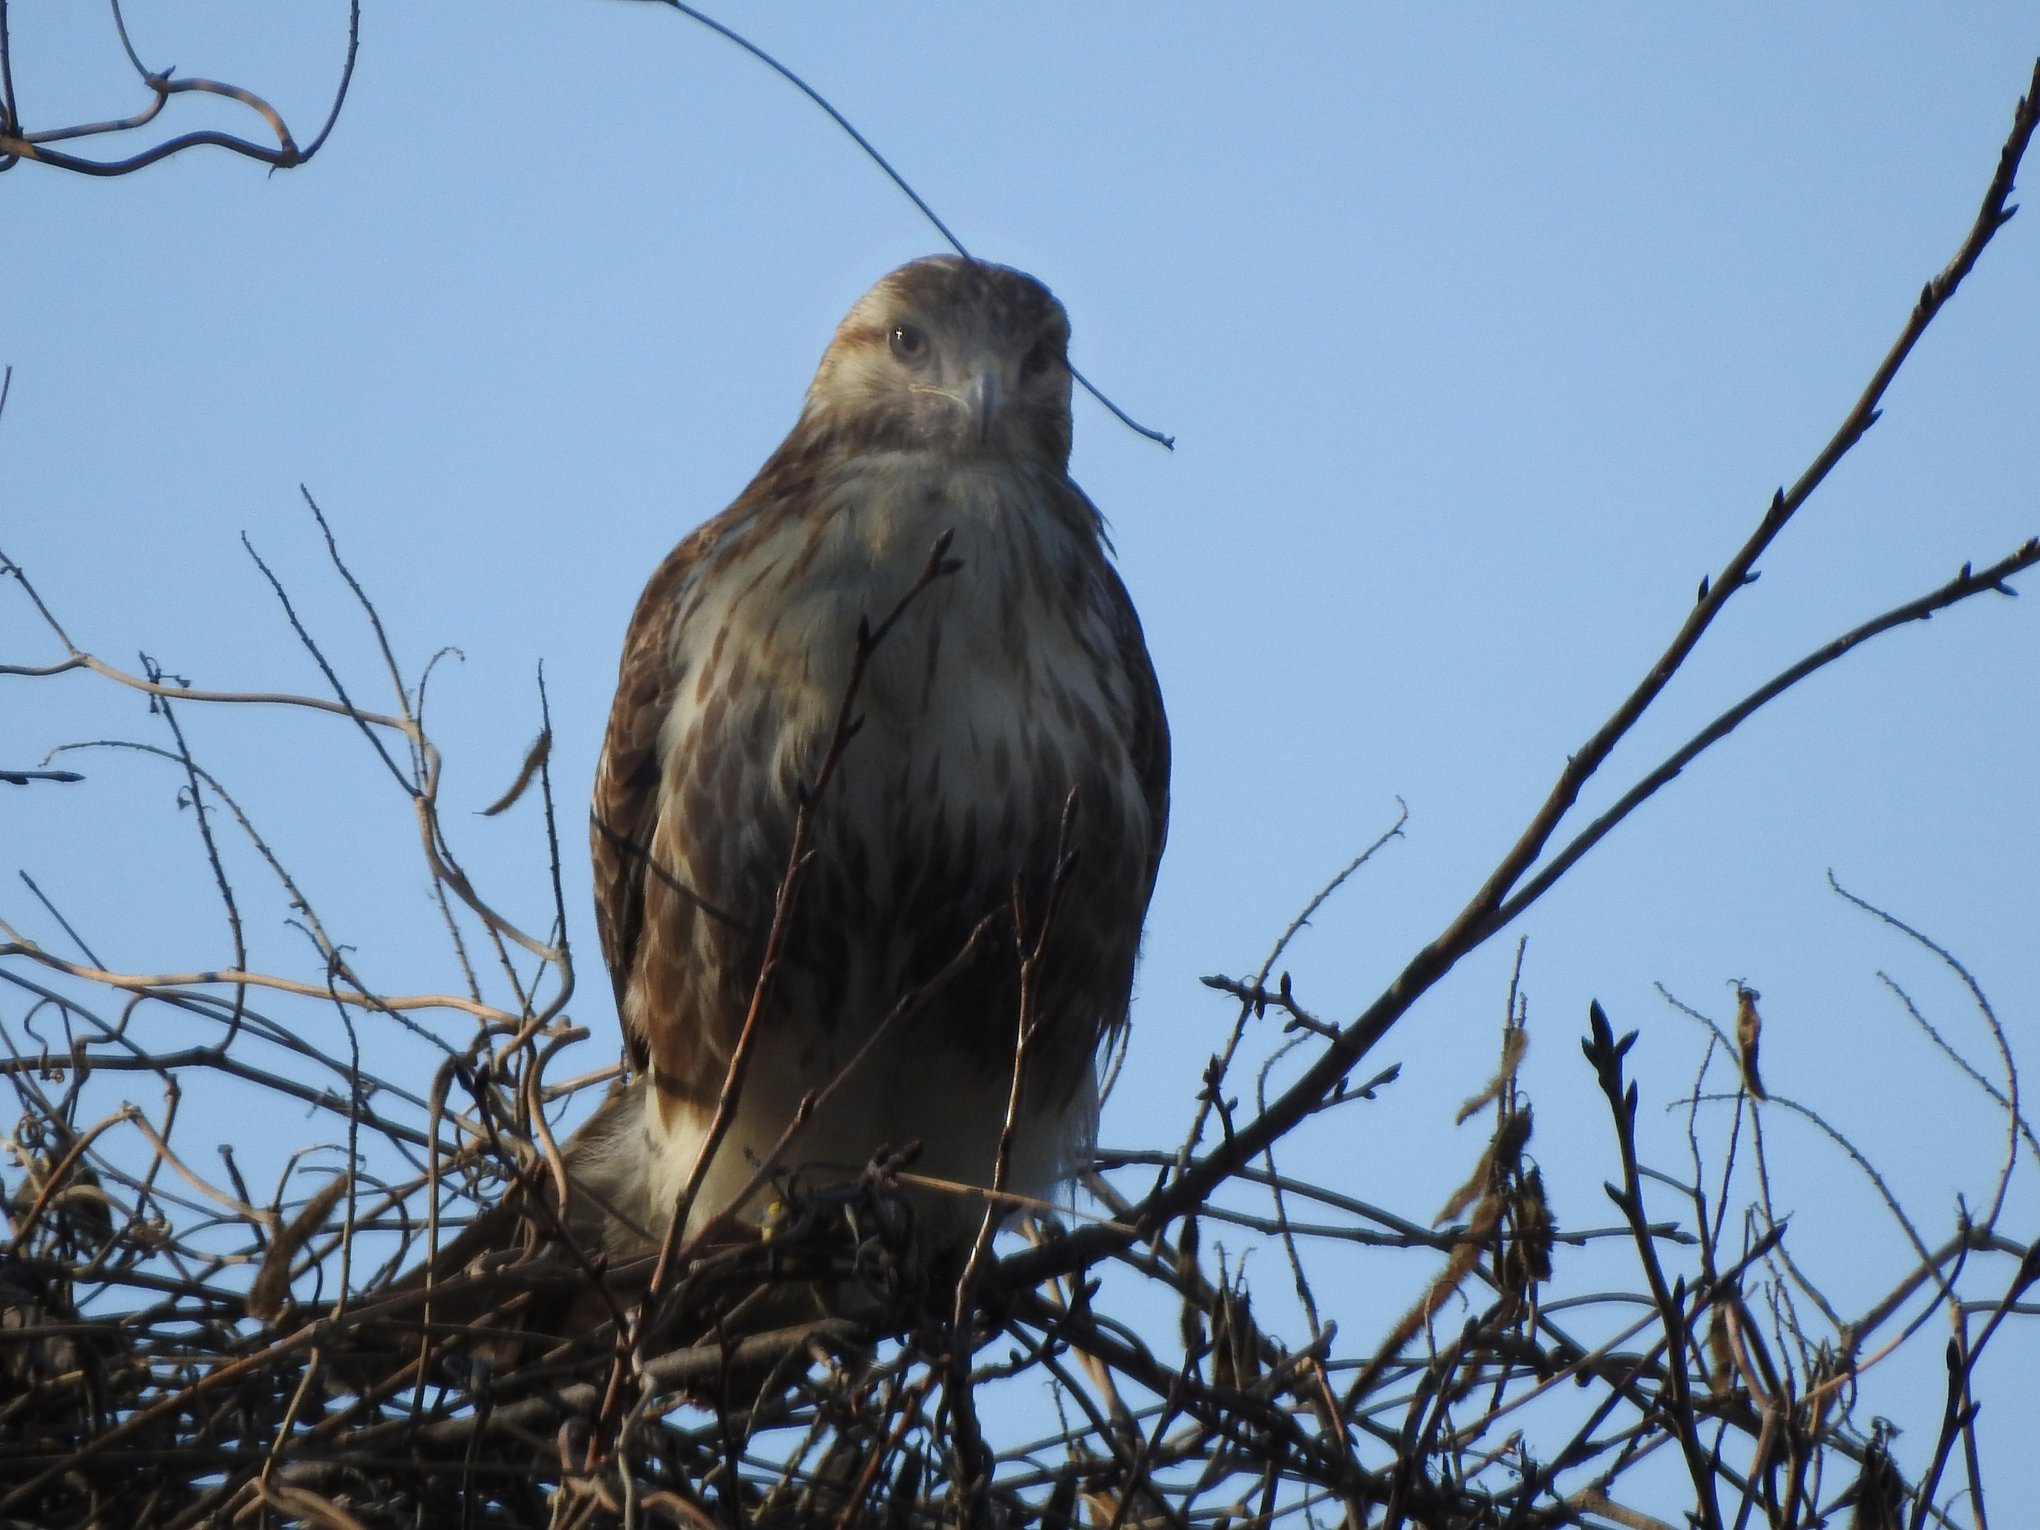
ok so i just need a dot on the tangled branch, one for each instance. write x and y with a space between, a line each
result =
19 142
189 1339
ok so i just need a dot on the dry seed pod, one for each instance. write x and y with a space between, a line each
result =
1749 1026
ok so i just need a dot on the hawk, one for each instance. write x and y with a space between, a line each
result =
1009 760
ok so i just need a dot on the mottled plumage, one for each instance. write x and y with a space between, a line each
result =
942 407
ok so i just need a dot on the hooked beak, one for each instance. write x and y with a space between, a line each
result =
980 397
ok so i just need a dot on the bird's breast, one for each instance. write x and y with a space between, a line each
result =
988 692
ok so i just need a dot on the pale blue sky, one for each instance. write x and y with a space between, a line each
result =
1483 332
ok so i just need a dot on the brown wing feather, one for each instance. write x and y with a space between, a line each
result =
625 809
629 779
1148 742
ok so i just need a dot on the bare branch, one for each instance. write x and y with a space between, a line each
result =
18 143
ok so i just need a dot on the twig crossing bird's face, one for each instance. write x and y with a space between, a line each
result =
954 356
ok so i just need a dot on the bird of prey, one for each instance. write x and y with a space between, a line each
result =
1004 772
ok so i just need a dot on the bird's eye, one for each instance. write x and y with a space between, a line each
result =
1036 361
908 342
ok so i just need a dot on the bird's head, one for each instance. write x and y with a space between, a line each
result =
950 355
